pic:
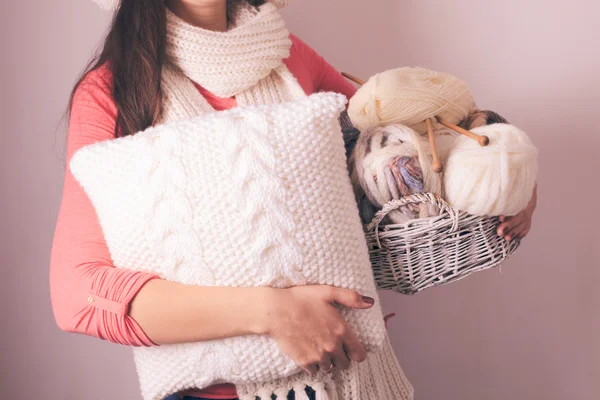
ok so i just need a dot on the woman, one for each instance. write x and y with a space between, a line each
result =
121 94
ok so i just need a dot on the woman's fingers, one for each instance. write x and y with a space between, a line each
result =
516 226
350 298
512 233
340 358
508 224
502 226
525 231
521 231
311 368
353 348
326 364
330 341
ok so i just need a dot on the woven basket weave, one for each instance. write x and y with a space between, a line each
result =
428 252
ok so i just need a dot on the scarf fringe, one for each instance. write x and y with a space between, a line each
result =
324 390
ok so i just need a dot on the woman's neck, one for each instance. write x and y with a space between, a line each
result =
205 14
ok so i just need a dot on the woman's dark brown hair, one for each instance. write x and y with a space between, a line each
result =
134 50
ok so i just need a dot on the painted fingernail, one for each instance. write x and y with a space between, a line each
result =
368 300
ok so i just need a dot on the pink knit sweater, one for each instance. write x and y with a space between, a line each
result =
89 295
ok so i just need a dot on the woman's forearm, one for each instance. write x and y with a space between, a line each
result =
170 312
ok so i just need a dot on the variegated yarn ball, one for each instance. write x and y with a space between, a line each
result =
410 96
391 162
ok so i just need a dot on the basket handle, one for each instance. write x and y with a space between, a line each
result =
418 198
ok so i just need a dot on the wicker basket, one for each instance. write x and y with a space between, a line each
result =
428 252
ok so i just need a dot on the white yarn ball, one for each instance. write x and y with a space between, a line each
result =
409 96
494 180
444 140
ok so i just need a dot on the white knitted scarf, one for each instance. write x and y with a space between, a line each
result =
158 184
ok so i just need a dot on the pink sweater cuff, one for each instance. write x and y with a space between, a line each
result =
110 296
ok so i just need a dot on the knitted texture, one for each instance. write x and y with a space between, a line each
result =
235 60
379 377
254 196
497 179
229 199
410 96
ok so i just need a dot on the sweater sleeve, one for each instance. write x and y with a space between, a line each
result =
89 295
324 76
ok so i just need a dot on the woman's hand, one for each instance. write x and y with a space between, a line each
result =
518 226
308 327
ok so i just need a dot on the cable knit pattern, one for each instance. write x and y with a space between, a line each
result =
379 377
233 199
254 196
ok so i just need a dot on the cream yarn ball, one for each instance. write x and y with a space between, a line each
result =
494 180
409 96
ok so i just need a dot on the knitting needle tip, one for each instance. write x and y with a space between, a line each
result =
353 78
483 141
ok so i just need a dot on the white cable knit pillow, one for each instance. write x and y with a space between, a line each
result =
254 196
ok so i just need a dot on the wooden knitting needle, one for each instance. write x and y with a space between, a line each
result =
437 165
482 140
353 78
